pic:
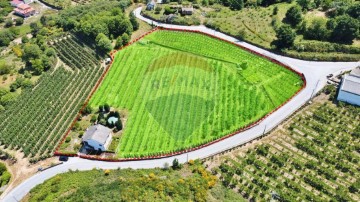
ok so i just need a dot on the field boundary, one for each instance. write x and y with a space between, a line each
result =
244 128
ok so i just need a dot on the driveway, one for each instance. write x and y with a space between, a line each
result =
315 74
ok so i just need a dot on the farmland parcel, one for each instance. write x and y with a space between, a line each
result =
185 89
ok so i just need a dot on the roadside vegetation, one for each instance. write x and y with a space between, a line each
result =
312 157
307 29
190 183
5 175
181 93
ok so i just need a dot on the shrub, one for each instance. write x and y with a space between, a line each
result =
67 139
293 15
19 21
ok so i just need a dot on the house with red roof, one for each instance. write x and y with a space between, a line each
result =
16 3
24 10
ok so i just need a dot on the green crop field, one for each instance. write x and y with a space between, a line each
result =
185 89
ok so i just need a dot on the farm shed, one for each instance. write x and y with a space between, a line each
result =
187 10
350 88
97 137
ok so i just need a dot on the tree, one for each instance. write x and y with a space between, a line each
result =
286 37
293 15
24 39
101 108
125 38
8 23
305 4
317 30
37 65
158 9
6 37
134 22
31 51
119 42
346 29
87 110
34 28
103 42
237 4
19 21
50 52
101 116
354 11
106 108
275 10
175 164
118 125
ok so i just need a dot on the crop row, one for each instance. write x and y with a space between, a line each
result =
309 161
38 119
154 126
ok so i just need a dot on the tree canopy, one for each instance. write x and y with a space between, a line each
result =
286 37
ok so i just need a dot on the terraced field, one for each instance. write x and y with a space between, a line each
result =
185 89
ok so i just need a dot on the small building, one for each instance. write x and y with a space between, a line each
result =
150 5
350 88
24 10
16 3
187 10
97 138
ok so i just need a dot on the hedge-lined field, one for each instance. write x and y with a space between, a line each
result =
315 157
185 89
39 118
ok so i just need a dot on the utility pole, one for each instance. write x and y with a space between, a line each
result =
314 89
264 130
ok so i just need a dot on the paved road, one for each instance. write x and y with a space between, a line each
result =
315 73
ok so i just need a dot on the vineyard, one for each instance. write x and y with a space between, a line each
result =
315 157
39 118
185 89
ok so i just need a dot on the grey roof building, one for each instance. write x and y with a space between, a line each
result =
98 137
350 88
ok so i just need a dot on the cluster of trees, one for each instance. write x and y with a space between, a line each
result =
342 27
5 9
99 21
21 82
105 114
240 4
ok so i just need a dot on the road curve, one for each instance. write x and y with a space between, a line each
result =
315 74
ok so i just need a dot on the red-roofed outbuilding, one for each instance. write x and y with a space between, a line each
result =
24 10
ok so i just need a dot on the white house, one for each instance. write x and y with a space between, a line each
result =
350 88
97 137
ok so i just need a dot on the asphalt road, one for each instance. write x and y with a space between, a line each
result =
315 74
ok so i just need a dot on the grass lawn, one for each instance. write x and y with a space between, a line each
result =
191 183
185 89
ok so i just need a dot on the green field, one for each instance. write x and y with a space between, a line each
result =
185 89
